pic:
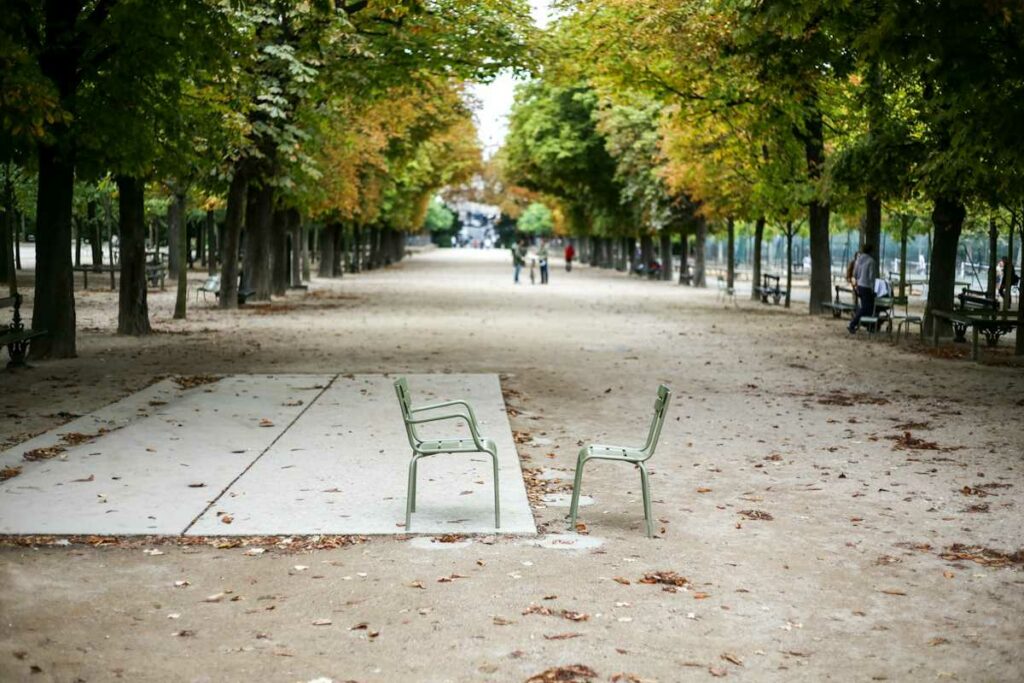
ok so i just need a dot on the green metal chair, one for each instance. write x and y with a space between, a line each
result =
633 456
424 448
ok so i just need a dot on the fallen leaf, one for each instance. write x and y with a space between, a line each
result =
322 622
264 422
717 673
757 514
226 519
703 489
84 480
216 597
417 584
502 621
574 673
893 591
620 579
562 636
730 657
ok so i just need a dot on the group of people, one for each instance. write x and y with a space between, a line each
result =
520 252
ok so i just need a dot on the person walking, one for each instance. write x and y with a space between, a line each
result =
865 272
542 258
1005 274
570 254
518 259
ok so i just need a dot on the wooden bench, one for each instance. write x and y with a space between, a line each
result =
97 270
14 336
976 300
839 306
770 288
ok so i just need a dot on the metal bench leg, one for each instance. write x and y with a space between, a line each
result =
646 486
574 507
497 498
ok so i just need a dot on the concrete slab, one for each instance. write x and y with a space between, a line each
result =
170 454
342 468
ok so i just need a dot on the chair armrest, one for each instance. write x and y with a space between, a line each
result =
473 430
447 404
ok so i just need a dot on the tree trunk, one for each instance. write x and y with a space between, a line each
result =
631 254
18 234
755 276
818 216
684 257
95 235
76 226
231 237
357 249
279 253
340 232
211 242
177 212
327 234
133 310
789 261
904 233
53 308
730 258
993 254
666 255
699 249
175 237
646 253
948 218
304 242
258 232
295 229
8 273
872 232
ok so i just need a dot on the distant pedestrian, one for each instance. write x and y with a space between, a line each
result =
542 257
570 254
865 272
518 259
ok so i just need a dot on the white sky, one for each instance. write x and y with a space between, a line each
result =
495 98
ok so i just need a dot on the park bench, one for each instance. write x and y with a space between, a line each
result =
770 288
97 270
904 318
626 454
422 448
839 306
976 300
14 335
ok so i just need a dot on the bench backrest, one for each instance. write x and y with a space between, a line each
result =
405 403
11 301
975 299
851 292
660 408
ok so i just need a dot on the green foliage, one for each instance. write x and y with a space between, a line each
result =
439 217
536 220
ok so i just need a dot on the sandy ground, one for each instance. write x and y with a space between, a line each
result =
811 488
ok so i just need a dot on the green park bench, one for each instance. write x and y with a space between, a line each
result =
626 454
422 448
14 335
770 288
838 305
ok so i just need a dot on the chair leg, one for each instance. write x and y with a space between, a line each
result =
645 484
497 498
410 495
577 482
415 477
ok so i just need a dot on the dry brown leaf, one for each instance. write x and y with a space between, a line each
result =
703 489
668 578
322 622
730 657
562 636
574 673
9 472
621 579
757 515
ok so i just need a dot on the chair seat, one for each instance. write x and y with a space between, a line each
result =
614 452
453 446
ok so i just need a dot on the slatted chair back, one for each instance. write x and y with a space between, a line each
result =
405 402
660 408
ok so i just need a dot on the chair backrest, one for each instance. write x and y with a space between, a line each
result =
405 403
660 408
